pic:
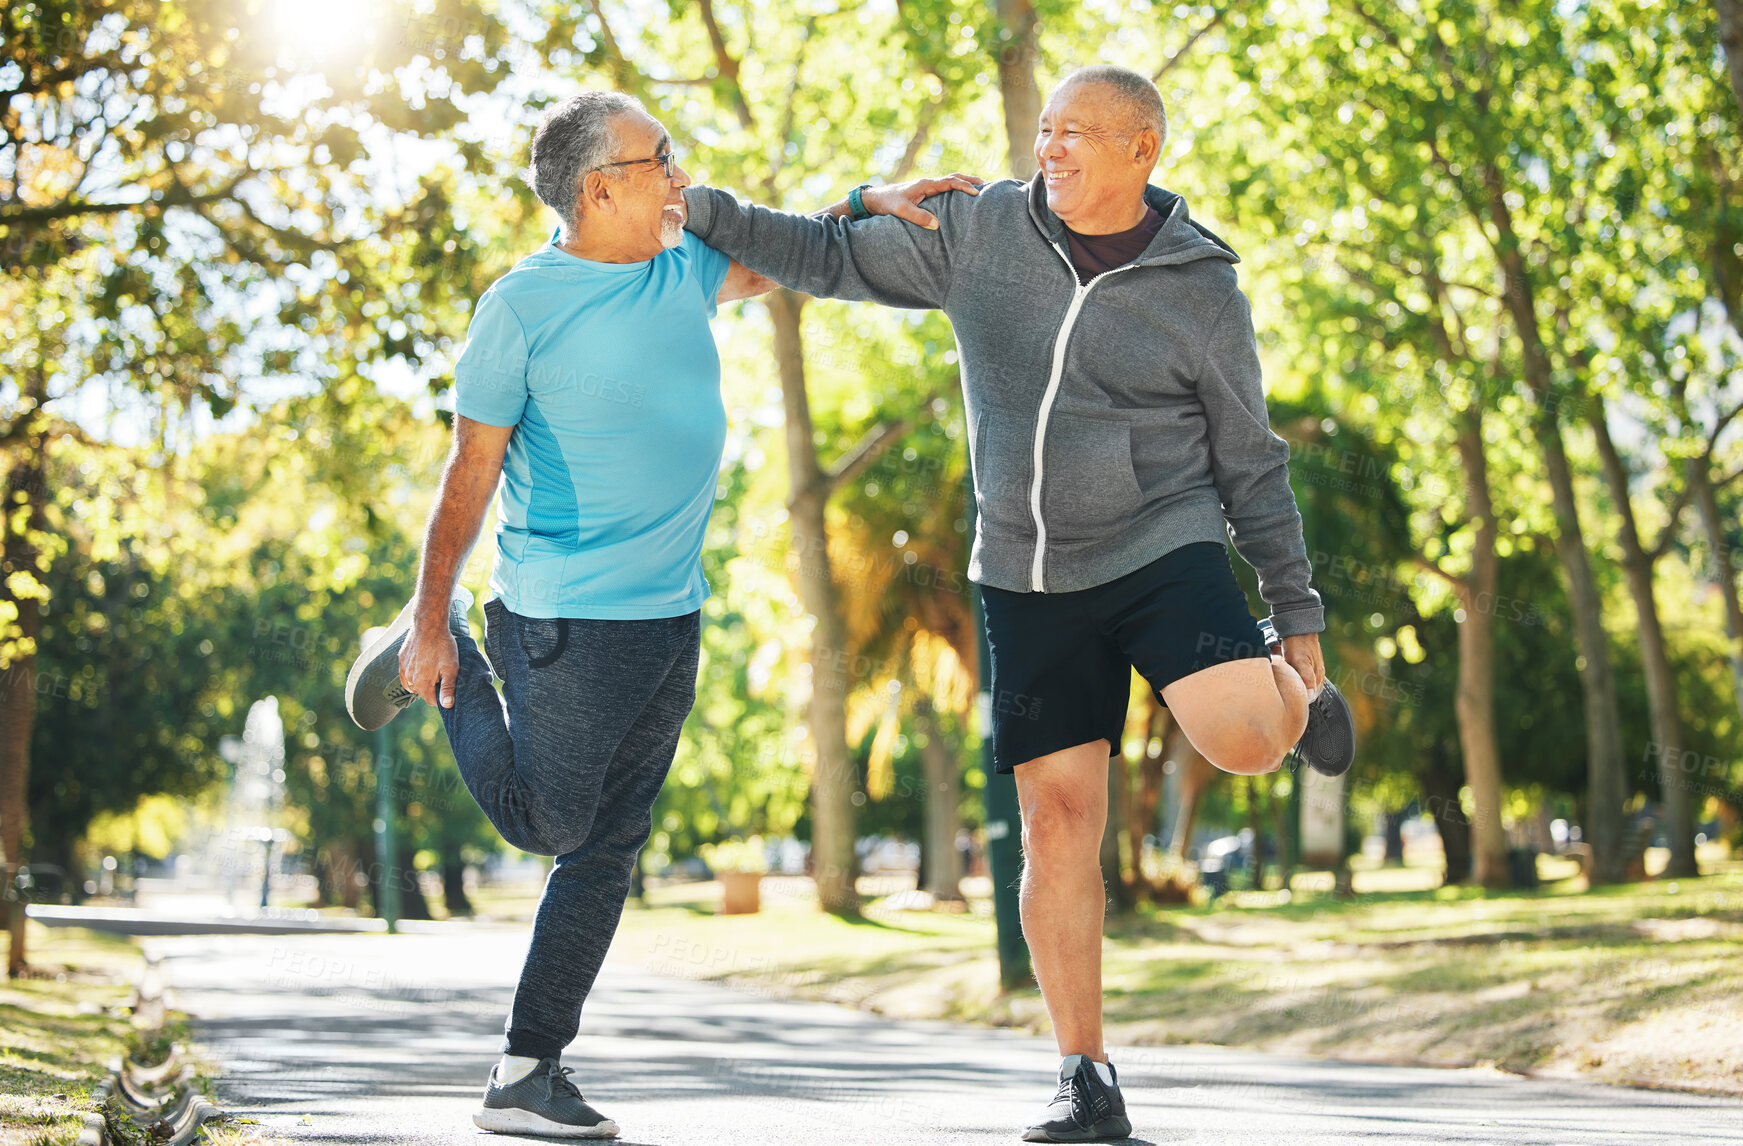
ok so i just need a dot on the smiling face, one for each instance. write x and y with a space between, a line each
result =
636 202
1094 159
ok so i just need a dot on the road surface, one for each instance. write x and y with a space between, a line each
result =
383 1040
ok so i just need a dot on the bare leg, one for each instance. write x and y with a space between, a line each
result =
1064 802
1244 715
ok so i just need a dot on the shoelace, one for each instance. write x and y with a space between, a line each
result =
1068 1092
557 1079
1084 1111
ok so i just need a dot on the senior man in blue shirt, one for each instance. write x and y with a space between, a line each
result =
590 386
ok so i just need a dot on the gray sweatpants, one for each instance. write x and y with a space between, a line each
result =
566 762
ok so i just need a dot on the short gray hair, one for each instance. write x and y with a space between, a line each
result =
575 137
1137 98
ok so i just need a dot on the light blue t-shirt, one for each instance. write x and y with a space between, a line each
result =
609 376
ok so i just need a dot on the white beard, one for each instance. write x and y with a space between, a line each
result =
671 230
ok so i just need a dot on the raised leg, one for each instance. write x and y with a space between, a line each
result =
1243 715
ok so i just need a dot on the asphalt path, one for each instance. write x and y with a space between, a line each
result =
387 1039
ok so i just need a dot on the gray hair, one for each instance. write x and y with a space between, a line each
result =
575 137
1135 96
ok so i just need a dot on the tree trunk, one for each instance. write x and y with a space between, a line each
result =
1281 829
1144 812
412 904
1607 783
1196 774
1724 577
834 779
1395 838
1678 822
1016 50
1731 36
1255 827
454 897
1475 701
336 870
938 760
1118 892
21 521
1440 789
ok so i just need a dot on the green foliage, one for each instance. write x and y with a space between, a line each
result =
227 245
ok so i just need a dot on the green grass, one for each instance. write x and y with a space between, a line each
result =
1637 984
58 1031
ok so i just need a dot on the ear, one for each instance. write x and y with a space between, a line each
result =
596 193
1146 147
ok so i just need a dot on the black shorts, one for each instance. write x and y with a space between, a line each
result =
1062 662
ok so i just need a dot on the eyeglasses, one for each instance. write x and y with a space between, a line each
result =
668 161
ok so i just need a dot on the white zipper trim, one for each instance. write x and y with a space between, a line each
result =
1047 398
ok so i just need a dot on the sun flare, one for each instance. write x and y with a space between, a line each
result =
312 33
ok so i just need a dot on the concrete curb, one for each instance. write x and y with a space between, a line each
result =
274 921
95 1132
158 1101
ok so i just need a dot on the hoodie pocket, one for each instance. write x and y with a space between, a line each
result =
1089 489
1002 450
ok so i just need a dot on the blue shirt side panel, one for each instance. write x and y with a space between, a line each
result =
552 511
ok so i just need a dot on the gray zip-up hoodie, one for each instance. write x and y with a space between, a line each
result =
1111 422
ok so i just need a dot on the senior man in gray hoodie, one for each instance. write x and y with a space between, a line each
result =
1119 439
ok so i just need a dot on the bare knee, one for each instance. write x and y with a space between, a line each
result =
1059 822
1250 753
1251 745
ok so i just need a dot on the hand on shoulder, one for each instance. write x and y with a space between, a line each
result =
903 199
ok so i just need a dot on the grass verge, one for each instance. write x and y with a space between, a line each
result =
1637 984
58 1031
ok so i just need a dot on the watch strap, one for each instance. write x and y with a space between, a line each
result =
856 205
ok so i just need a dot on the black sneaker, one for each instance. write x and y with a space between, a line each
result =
373 693
544 1102
1086 1109
1328 743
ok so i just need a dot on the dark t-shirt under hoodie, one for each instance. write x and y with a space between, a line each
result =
1092 255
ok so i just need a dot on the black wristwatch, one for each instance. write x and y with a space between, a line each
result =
855 205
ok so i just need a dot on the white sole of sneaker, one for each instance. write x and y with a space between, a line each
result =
400 624
513 1120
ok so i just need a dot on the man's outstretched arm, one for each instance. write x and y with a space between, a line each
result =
900 200
429 660
900 259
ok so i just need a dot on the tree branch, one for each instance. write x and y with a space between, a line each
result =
1724 420
1434 567
870 445
917 141
626 73
1209 26
176 196
1673 514
726 63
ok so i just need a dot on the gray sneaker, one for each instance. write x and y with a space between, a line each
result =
544 1102
373 693
1328 743
1085 1109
